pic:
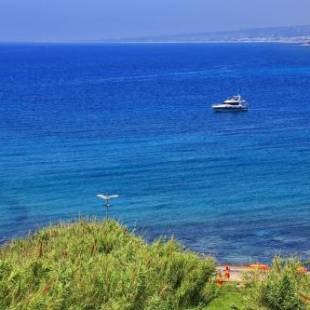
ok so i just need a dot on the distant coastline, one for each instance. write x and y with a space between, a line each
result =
287 35
302 43
299 35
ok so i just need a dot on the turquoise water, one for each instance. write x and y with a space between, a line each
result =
77 120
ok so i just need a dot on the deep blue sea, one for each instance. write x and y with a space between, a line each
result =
135 120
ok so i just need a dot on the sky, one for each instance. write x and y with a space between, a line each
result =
79 20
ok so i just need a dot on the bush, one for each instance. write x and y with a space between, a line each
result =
280 289
91 265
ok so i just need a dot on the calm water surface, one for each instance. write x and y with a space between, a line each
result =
135 120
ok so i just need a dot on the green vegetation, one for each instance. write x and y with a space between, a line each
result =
91 265
229 297
285 287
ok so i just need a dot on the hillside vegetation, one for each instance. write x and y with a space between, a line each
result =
285 287
91 265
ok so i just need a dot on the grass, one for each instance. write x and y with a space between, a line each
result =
284 287
92 265
229 296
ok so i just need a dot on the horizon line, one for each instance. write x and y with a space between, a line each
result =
138 38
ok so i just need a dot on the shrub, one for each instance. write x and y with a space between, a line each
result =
92 265
280 289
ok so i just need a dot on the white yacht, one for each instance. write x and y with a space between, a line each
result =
234 103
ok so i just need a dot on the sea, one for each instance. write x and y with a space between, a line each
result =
135 120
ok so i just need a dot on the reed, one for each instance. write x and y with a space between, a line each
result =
285 287
101 265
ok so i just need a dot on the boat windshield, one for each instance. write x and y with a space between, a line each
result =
236 98
233 100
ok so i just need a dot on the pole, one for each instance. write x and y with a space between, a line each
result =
106 198
106 210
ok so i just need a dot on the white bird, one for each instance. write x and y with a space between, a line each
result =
107 197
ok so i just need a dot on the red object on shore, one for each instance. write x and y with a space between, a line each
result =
227 273
259 266
302 269
219 279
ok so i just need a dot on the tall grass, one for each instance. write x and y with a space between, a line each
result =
285 287
92 265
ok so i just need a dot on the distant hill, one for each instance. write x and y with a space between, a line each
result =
290 34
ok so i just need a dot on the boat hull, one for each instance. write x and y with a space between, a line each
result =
230 109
